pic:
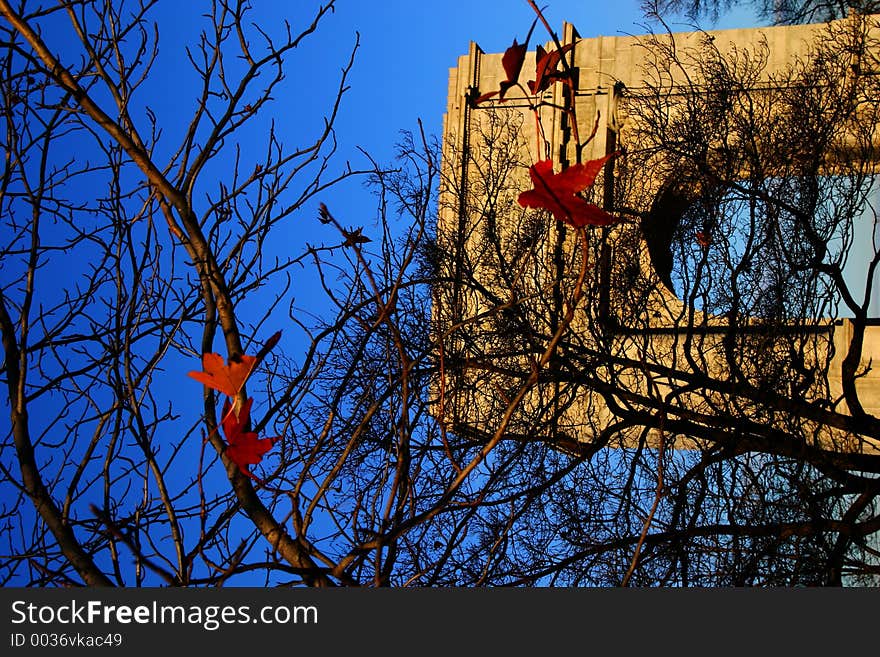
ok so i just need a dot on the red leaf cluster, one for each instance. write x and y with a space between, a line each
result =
546 69
243 448
558 192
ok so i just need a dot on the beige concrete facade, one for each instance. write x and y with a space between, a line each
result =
609 71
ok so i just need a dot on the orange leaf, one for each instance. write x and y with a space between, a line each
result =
228 379
558 192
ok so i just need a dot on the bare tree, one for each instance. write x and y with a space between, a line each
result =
777 11
131 260
126 252
131 256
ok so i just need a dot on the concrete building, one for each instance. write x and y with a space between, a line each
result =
648 324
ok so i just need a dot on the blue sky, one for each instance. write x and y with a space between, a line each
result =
401 70
400 74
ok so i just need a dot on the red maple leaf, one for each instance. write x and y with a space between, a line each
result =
228 379
703 238
558 192
244 448
546 65
512 62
